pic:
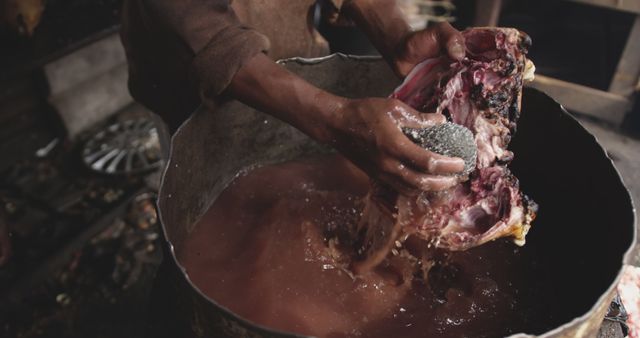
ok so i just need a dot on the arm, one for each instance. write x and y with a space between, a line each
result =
366 131
228 58
385 25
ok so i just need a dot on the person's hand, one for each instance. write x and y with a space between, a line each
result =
368 132
439 39
386 26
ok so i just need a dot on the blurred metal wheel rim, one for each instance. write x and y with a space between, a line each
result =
125 147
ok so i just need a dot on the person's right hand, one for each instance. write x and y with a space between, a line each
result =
368 132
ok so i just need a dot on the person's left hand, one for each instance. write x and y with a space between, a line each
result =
439 39
386 26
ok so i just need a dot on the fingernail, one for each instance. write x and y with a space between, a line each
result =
457 51
458 164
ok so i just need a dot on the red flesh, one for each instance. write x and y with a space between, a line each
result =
481 92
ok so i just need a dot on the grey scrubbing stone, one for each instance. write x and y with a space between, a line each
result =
448 139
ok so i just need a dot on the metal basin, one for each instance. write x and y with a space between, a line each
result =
583 234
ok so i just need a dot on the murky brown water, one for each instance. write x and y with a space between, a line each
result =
261 251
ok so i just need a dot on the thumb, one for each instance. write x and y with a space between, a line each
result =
419 120
436 40
431 119
406 116
452 40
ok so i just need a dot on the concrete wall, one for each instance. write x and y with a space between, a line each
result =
89 85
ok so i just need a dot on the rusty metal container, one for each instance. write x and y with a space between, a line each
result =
585 230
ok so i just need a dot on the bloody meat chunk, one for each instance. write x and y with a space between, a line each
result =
482 93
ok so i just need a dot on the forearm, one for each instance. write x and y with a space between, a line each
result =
382 21
388 30
367 131
267 86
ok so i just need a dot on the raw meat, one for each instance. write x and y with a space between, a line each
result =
629 290
482 92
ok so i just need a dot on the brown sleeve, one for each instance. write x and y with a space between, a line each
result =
219 42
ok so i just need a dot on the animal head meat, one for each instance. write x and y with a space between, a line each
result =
483 93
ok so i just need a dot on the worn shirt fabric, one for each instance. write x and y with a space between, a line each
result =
183 53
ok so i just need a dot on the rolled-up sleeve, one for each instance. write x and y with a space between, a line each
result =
216 64
220 43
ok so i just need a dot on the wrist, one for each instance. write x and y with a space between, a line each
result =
384 23
327 116
269 87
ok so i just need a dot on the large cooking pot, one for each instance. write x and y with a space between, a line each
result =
583 234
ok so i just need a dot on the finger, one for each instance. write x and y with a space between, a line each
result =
407 151
452 40
410 182
406 116
398 184
425 182
383 172
423 120
395 174
431 42
424 160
